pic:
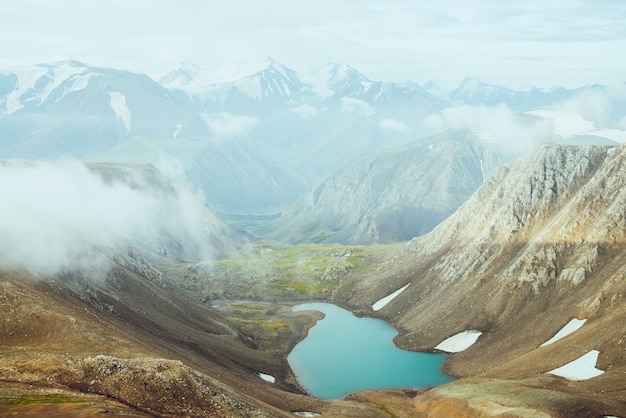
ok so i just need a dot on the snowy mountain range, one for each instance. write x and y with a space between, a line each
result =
253 138
473 92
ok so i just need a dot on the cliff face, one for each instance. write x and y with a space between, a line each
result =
540 243
393 194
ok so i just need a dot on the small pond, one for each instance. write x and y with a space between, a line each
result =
344 354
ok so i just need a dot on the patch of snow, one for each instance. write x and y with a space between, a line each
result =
26 79
285 89
582 368
459 342
430 147
569 328
306 414
384 301
79 83
267 377
118 104
59 74
178 127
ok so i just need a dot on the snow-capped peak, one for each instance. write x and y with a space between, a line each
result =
183 75
33 85
277 69
470 84
275 79
333 79
343 72
247 69
66 63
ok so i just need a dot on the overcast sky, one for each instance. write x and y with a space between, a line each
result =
516 43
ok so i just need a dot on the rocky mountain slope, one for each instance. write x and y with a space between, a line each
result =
540 243
394 193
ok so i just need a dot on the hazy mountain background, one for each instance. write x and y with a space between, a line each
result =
265 139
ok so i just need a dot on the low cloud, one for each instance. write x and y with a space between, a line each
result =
305 111
602 106
61 215
226 124
496 124
349 104
393 125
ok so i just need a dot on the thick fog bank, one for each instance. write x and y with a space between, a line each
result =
66 215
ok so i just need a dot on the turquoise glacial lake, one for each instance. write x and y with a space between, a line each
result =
344 354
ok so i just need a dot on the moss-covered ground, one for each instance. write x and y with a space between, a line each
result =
260 321
44 398
272 271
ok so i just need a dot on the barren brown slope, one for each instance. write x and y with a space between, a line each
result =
148 346
541 242
109 317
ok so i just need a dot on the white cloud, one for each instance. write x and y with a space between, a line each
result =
525 42
350 104
61 215
306 111
227 124
601 106
497 124
434 121
392 125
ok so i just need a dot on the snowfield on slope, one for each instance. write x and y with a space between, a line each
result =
569 328
459 342
267 377
384 301
118 104
582 368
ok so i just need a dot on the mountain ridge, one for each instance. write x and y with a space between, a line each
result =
310 124
393 193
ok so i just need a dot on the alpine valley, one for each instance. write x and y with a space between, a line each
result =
155 233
